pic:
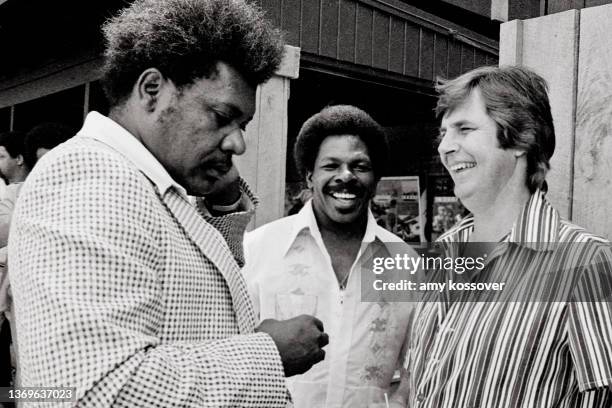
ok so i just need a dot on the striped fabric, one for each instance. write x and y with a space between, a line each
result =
520 353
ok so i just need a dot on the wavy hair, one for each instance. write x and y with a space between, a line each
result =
516 98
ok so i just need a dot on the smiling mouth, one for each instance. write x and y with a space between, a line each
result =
460 167
345 201
343 196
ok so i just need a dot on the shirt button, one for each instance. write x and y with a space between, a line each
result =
420 397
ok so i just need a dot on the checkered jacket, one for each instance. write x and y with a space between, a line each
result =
134 298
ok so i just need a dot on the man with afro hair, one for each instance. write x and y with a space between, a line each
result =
126 245
313 262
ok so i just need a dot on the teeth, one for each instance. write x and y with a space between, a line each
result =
345 196
462 166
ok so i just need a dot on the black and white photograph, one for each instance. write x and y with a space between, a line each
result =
306 203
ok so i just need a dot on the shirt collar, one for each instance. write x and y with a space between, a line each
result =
536 227
306 222
538 224
109 132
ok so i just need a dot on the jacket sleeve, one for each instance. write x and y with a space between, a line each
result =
90 310
233 225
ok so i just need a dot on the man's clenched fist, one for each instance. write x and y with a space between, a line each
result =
299 341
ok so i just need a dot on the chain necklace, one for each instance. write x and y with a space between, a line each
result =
344 280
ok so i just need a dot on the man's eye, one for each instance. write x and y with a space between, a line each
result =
363 167
465 129
222 120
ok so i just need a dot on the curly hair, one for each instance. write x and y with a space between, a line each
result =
340 120
13 142
184 39
46 135
517 100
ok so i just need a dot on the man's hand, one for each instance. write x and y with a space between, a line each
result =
299 342
226 190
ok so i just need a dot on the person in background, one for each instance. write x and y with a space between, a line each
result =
547 341
14 170
44 137
312 262
126 244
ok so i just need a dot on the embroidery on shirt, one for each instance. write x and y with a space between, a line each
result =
373 373
299 270
381 327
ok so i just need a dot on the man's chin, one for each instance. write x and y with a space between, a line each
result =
465 194
200 187
347 216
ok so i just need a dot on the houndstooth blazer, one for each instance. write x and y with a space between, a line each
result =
131 296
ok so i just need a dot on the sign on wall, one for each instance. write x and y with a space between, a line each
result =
397 207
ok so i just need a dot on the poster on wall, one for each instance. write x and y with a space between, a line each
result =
397 207
447 211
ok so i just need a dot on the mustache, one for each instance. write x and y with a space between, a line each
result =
351 188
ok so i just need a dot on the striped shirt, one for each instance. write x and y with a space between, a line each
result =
520 353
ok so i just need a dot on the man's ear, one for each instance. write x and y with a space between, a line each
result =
19 159
309 179
519 153
148 88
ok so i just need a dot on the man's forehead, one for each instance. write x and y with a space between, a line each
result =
334 144
464 109
227 87
234 108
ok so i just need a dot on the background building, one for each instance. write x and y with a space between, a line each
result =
380 55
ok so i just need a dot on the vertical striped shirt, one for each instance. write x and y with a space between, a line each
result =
526 351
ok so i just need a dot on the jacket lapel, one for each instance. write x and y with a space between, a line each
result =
213 246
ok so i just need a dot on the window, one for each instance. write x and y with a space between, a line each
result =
64 107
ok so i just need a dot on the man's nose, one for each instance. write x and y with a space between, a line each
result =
448 144
345 174
234 142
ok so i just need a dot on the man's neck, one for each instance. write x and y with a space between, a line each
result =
350 232
493 220
343 242
19 177
122 116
